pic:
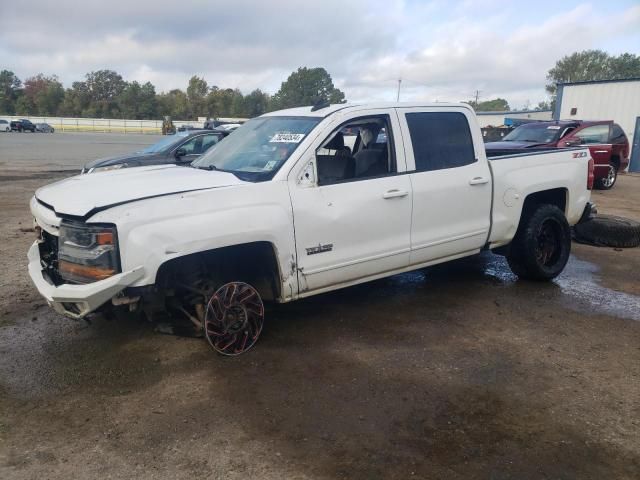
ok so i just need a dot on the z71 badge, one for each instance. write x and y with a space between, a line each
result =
579 154
319 249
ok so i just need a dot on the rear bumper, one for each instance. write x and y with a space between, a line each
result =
76 301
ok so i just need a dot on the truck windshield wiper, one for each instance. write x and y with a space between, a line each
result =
208 167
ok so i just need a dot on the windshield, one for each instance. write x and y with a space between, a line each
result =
258 149
535 133
164 143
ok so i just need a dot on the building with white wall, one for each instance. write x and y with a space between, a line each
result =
617 100
496 119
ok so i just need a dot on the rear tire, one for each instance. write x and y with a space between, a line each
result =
540 250
606 183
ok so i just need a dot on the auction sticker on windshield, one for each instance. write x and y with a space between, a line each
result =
270 164
287 138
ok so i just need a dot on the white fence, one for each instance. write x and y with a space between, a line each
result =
106 125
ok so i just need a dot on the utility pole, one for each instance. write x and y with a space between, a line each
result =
477 97
398 95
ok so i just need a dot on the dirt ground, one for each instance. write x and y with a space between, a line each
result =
458 371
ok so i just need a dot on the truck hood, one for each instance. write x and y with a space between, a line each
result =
84 195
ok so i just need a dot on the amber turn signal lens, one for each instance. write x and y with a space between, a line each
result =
76 270
104 238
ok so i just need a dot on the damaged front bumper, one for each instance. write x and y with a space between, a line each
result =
76 301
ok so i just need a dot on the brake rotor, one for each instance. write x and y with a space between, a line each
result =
234 318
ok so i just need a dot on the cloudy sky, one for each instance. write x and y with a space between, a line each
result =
442 50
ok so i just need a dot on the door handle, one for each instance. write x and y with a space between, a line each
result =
395 193
600 151
478 181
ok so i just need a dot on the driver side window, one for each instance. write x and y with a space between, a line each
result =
594 135
193 146
359 149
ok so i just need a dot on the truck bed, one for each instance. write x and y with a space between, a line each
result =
516 176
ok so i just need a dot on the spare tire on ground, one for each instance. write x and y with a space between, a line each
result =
608 231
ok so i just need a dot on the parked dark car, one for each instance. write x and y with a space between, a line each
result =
181 148
22 125
44 128
187 128
606 140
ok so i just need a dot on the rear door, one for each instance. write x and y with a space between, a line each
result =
451 183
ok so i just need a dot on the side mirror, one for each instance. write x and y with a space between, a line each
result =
181 152
572 142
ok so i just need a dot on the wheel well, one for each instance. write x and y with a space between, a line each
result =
254 263
554 196
615 159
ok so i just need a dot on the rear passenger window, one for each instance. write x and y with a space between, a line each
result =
440 140
617 135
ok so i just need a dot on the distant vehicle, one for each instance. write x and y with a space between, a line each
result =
607 142
5 125
227 127
22 125
186 128
495 134
212 124
181 148
44 128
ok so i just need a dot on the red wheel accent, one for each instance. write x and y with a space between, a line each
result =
234 318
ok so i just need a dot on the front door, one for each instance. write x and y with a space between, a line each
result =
352 204
596 137
451 184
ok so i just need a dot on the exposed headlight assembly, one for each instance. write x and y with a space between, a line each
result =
87 252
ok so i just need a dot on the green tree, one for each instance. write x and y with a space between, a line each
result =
174 103
495 105
592 65
138 101
221 102
624 66
237 104
9 91
256 103
103 88
196 94
76 100
307 86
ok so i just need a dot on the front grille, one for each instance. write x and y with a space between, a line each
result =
49 257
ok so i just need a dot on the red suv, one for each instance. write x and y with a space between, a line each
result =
607 143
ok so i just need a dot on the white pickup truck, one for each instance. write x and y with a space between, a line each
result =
299 202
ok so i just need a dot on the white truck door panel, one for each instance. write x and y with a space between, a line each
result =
452 195
352 229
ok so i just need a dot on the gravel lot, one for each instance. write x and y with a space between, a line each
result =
458 371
